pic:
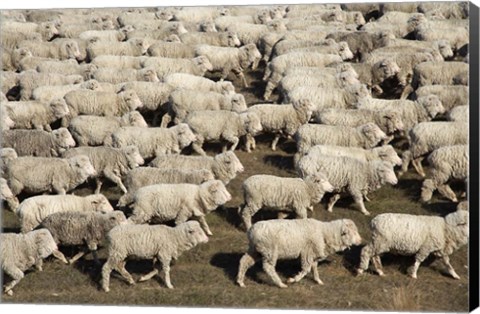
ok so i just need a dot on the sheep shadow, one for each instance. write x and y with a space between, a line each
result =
10 230
351 258
230 215
412 187
279 161
441 208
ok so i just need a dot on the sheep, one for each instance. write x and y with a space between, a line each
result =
54 174
281 119
38 142
100 103
158 242
450 95
407 7
437 73
7 154
134 47
278 66
227 59
93 130
31 62
199 14
35 114
6 122
459 113
14 60
365 136
310 239
77 228
118 76
350 175
220 125
454 10
108 162
10 40
107 35
457 36
29 80
12 15
21 251
119 62
33 210
221 39
181 102
67 67
223 22
441 46
47 29
401 24
9 80
171 50
252 33
463 205
163 66
47 94
154 141
448 162
340 49
6 194
415 235
161 32
65 50
178 202
135 18
192 82
282 194
143 176
153 95
73 30
423 109
425 137
224 166
361 42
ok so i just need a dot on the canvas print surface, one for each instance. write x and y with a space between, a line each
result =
284 156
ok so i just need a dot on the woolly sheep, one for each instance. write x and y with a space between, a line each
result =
119 62
117 76
152 142
32 211
183 101
30 62
459 113
281 119
107 35
54 174
12 59
60 51
449 162
457 36
282 194
153 95
442 46
6 194
82 228
178 202
415 235
29 80
224 166
171 50
192 82
21 251
221 125
340 49
221 39
9 80
365 136
38 142
6 122
158 242
309 239
350 175
108 162
164 66
133 47
361 42
437 73
199 14
450 95
93 130
161 32
46 29
252 33
454 10
67 67
49 93
10 40
73 30
143 176
7 154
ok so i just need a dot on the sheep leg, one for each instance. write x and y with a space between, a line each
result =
358 198
417 164
419 258
47 128
247 213
366 197
197 145
109 174
232 139
240 75
269 268
148 276
316 277
106 270
387 140
204 225
282 215
377 263
77 257
39 264
275 142
406 158
332 202
446 191
451 271
365 256
247 261
16 275
120 267
59 255
165 120
98 184
166 269
306 267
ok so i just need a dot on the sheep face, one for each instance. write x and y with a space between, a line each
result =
393 121
7 122
359 91
388 154
99 203
206 175
208 27
348 78
359 19
432 104
238 103
344 51
59 108
150 75
194 232
63 138
178 28
173 39
254 56
233 40
203 63
217 192
185 135
20 53
320 184
70 50
304 105
44 243
252 123
140 44
133 156
82 166
226 87
231 162
134 118
264 16
445 49
74 79
130 97
7 155
48 30
385 172
385 69
91 85
349 233
373 133
164 14
458 220
428 187
114 219
5 191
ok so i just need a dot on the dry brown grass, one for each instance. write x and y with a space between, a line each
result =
405 298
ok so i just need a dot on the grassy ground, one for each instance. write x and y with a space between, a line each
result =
205 275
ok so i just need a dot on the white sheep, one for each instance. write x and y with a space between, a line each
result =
48 93
6 155
437 73
118 62
29 80
10 39
60 51
171 50
158 242
159 32
221 39
67 67
163 66
38 142
112 35
6 122
7 195
450 95
376 74
133 47
117 76
310 239
459 113
416 235
153 95
193 82
47 29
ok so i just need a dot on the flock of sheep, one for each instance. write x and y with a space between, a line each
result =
77 86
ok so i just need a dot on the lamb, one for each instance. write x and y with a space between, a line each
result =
221 39
146 241
309 239
38 142
82 228
133 47
437 73
163 66
415 235
227 59
117 76
100 103
220 125
67 49
93 130
450 95
178 202
21 251
29 80
67 67
224 166
192 82
47 29
459 113
143 176
32 211
365 136
47 94
119 62
6 194
181 102
350 175
448 162
171 50
425 137
54 174
282 194
35 114
152 142
281 119
108 162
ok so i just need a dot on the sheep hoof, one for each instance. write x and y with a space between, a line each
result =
414 276
319 282
209 233
169 286
366 213
291 280
381 273
241 284
455 276
359 271
282 285
106 289
9 292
